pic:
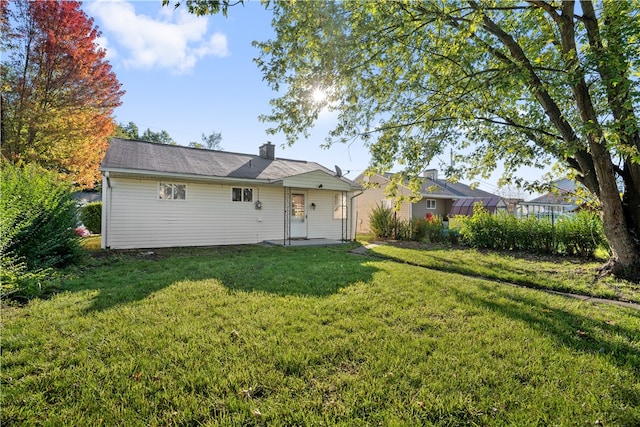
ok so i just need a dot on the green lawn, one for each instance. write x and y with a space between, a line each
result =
311 336
553 273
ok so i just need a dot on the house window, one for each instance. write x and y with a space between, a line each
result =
169 191
431 203
339 206
387 203
239 194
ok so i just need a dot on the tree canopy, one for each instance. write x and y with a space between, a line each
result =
131 131
127 131
58 91
507 83
210 142
161 137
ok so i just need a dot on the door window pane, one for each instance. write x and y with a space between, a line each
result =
297 206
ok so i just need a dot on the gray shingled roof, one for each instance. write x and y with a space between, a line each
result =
143 156
452 189
441 188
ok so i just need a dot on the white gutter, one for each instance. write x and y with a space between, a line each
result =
160 175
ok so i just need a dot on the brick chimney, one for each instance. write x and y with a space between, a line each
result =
430 174
268 151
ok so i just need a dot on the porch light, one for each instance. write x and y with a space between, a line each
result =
313 206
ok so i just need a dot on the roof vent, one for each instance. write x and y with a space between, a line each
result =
268 151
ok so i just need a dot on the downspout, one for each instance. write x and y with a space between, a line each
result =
351 229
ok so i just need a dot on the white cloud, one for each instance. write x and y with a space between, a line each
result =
174 39
103 43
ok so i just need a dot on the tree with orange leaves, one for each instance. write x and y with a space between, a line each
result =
58 92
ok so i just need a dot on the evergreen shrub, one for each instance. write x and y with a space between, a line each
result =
91 217
37 221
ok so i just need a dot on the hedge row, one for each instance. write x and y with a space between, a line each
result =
578 235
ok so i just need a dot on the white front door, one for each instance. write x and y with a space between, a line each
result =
298 216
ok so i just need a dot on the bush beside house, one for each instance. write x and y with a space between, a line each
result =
385 225
91 217
37 221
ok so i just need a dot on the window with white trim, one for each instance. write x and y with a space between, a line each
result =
171 191
431 203
339 206
239 194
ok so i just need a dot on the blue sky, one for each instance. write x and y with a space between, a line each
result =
190 75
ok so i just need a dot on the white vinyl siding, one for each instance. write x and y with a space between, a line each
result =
137 218
320 220
316 180
339 206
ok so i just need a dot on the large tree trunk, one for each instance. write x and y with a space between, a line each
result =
618 221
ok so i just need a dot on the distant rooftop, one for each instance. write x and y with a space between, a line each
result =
439 187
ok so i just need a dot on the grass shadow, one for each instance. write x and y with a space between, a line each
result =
122 277
571 330
605 338
450 263
561 275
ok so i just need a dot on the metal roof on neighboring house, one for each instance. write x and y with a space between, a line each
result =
149 157
465 206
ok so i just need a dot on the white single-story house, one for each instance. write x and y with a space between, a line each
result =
157 195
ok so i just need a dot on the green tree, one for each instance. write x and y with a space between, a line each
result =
210 142
527 83
162 137
127 131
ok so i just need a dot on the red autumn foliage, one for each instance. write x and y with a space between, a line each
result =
60 90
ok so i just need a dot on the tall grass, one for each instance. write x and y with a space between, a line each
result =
382 222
